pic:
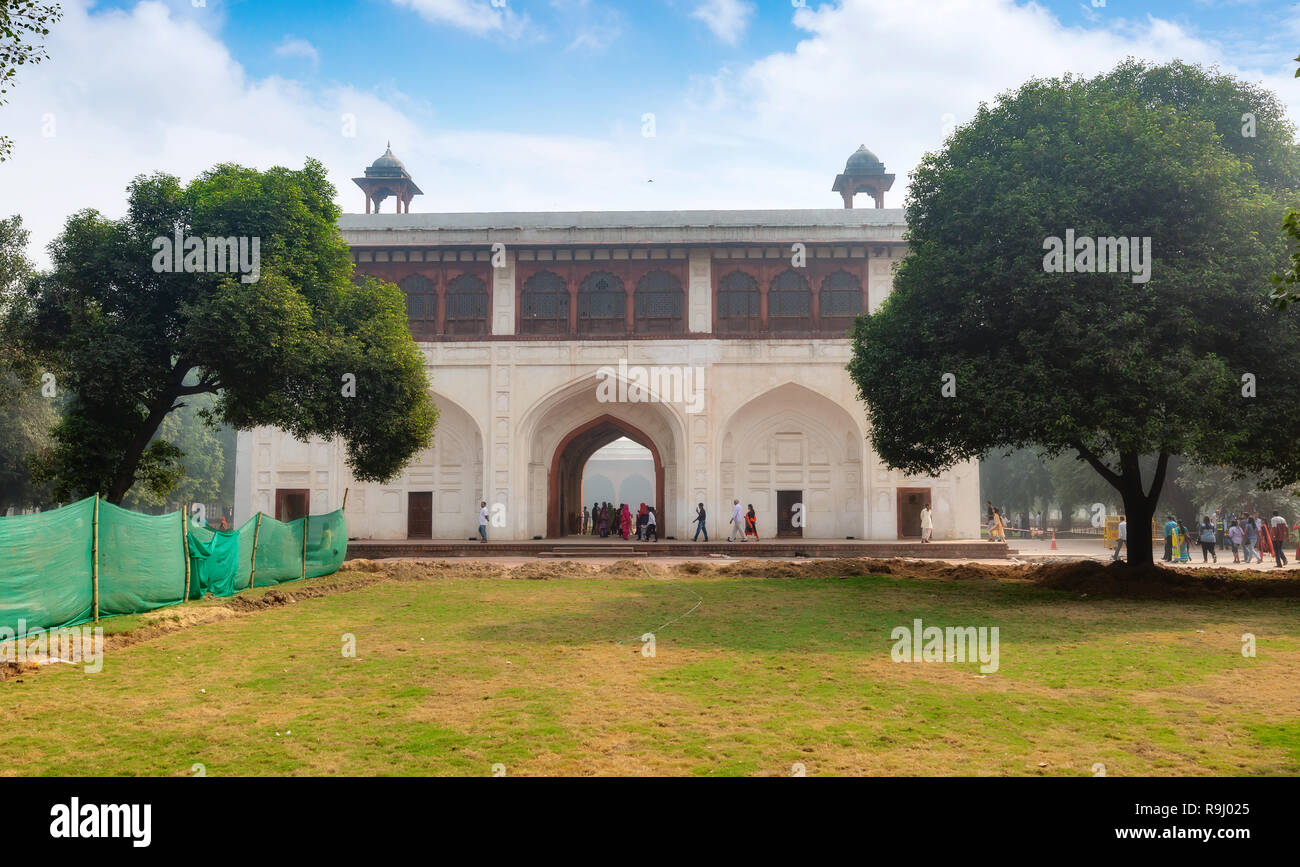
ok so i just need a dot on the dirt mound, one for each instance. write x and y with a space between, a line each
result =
1119 580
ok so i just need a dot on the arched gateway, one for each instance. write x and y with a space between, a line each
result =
716 339
564 484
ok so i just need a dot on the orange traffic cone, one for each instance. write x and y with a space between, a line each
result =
1054 541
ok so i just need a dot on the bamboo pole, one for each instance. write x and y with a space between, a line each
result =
252 572
185 551
94 561
345 500
305 520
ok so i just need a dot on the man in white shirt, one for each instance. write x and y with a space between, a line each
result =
1121 538
927 523
482 521
737 523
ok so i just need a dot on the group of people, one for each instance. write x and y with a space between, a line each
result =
744 523
1249 536
605 520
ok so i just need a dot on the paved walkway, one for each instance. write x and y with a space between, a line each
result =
1040 551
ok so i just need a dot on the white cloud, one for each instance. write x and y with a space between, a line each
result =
292 46
728 19
169 97
476 16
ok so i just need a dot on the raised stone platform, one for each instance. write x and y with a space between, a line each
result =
576 547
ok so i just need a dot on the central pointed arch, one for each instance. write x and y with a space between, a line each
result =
564 479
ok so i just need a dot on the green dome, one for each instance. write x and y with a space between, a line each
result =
864 162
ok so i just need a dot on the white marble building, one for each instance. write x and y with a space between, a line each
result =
527 319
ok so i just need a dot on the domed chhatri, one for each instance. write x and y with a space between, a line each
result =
386 177
864 162
863 173
387 166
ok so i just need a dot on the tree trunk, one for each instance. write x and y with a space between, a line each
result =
1138 511
124 475
1139 503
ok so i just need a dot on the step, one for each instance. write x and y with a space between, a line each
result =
574 553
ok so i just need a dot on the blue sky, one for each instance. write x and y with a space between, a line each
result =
540 105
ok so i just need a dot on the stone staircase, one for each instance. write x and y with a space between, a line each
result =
575 552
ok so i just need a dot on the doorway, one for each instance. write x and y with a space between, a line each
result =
910 502
291 503
786 522
564 482
419 515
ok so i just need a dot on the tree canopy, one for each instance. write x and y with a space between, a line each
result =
982 345
24 24
134 324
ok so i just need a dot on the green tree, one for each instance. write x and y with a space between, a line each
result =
299 344
203 462
24 24
1094 364
26 414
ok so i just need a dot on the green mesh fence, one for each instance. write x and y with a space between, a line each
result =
51 563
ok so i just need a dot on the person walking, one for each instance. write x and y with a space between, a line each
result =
737 523
1277 535
751 523
1250 539
651 525
1184 544
482 521
927 523
625 521
1209 538
1171 527
1121 536
586 516
1234 539
997 530
700 518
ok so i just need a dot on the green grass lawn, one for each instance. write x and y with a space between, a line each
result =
455 675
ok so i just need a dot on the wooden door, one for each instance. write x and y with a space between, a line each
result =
910 502
785 503
419 515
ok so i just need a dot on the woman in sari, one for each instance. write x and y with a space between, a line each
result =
604 520
751 523
625 521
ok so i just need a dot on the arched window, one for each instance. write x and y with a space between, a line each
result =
467 305
421 306
789 303
739 310
602 305
544 305
659 304
840 301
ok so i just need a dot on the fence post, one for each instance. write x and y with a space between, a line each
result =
305 519
94 559
185 551
252 572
